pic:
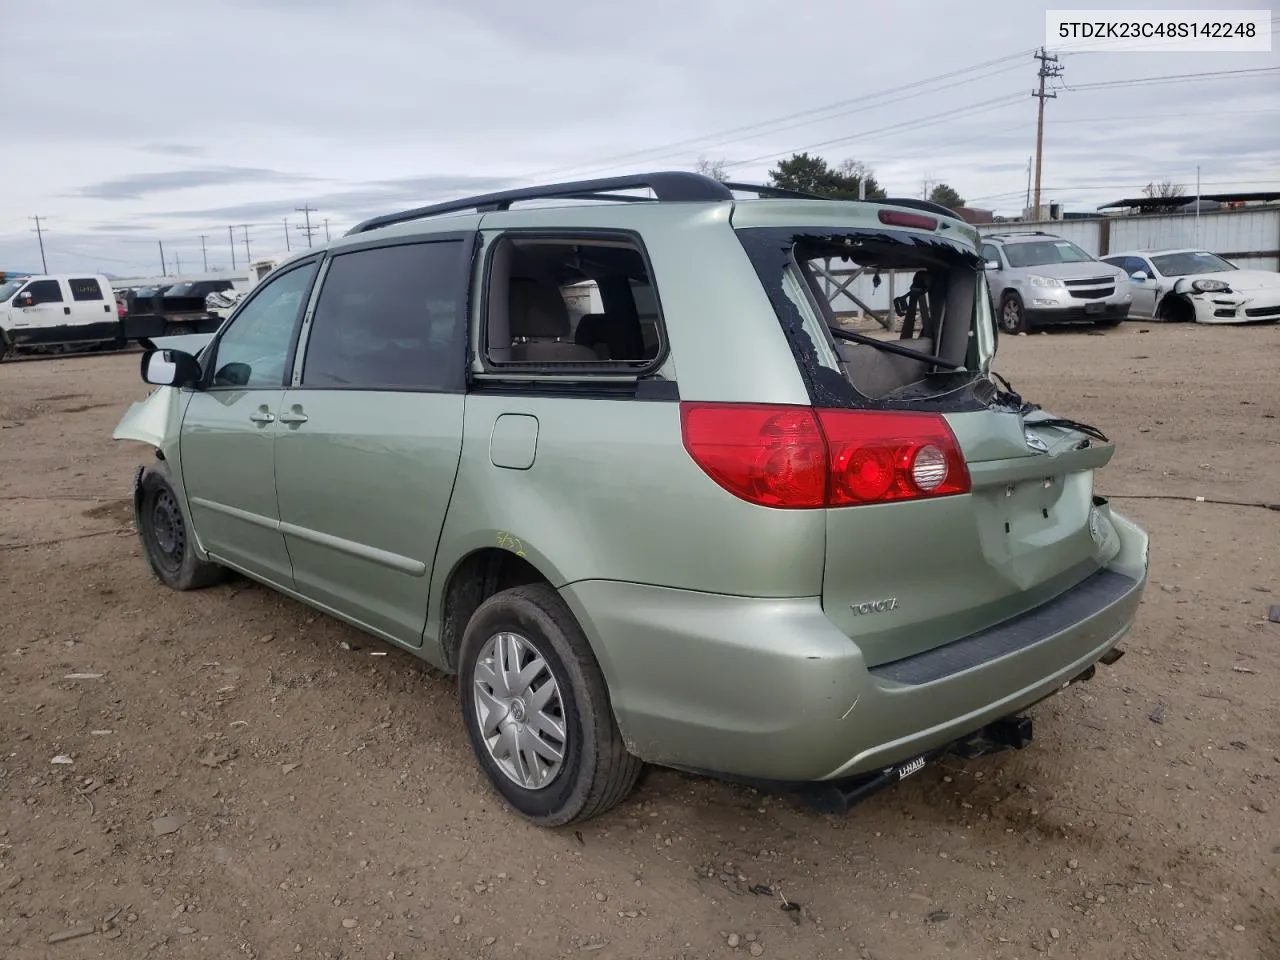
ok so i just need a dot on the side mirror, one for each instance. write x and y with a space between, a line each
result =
25 300
1139 275
991 265
170 368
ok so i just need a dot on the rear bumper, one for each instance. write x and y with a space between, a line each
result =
769 689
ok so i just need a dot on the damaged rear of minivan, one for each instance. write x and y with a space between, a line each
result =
969 560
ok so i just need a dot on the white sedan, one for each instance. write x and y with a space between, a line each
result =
1195 285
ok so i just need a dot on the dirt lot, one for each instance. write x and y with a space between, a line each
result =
324 803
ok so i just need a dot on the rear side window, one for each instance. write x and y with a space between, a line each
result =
86 289
390 318
571 304
45 291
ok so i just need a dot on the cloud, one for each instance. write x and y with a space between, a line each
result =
407 103
175 149
137 185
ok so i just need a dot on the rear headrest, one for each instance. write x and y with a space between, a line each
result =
537 309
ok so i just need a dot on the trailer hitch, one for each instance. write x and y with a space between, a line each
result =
840 796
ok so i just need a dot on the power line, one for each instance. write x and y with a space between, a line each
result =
915 124
1176 78
44 266
1079 188
758 126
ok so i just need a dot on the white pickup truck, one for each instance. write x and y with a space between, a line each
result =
62 310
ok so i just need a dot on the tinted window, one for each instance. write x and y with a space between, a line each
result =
253 351
86 289
388 318
45 291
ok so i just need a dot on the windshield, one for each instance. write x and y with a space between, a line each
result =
7 290
179 290
1039 253
1186 264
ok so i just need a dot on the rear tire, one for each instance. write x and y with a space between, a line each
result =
1013 319
530 688
166 538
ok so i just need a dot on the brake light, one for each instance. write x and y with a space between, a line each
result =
879 457
897 218
793 457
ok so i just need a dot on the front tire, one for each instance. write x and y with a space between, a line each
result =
166 538
537 710
1013 319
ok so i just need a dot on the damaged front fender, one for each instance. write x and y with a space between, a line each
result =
154 421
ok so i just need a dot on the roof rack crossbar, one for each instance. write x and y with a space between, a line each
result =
675 185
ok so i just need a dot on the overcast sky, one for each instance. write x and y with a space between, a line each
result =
136 121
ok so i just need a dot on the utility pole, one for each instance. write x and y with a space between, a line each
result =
326 229
287 248
164 270
1027 205
40 239
308 229
231 239
1049 67
248 257
177 257
204 254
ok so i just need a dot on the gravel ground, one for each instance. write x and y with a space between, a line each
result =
245 780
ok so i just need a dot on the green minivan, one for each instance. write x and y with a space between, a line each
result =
603 451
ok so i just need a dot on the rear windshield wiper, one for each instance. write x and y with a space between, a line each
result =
888 346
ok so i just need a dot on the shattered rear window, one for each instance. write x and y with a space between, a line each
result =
923 295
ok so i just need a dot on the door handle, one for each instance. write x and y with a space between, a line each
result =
294 416
67 311
262 416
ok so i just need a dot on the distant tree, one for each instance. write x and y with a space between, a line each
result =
1166 188
814 175
712 168
945 195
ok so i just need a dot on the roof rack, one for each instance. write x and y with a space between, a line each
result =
676 185
1018 233
927 205
667 186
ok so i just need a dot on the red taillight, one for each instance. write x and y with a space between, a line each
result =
878 457
797 457
896 218
771 455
